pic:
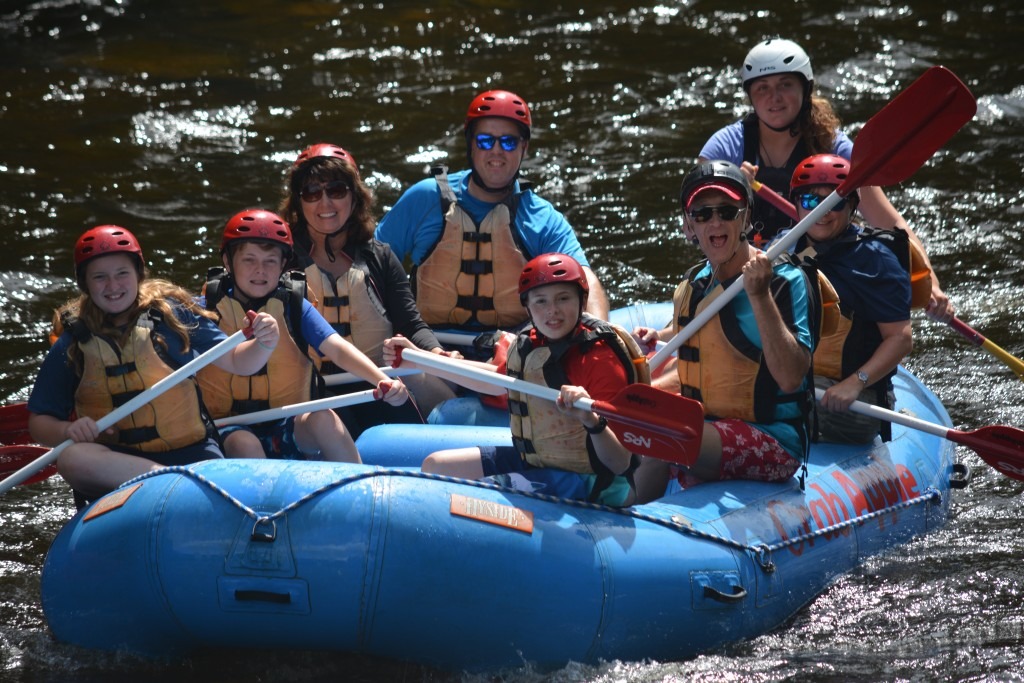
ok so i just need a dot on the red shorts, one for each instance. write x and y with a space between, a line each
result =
748 453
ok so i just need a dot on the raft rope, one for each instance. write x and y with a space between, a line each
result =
265 527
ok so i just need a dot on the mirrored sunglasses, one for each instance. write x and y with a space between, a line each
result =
336 189
810 201
727 212
509 143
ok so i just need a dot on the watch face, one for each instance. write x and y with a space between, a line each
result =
863 377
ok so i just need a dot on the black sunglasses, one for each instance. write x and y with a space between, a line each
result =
727 212
336 189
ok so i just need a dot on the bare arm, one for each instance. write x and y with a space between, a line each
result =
597 303
249 356
607 446
879 212
346 356
787 360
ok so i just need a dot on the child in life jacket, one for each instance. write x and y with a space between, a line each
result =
558 450
121 336
255 248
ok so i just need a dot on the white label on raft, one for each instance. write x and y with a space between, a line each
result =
492 513
111 501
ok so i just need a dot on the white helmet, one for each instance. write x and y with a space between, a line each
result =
776 56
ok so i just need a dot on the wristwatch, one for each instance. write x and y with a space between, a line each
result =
602 424
863 377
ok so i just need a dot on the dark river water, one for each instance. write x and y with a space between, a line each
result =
169 116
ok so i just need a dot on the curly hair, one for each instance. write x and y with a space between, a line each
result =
818 125
360 224
153 293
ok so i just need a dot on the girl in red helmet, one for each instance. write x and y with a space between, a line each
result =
122 335
557 449
255 249
354 281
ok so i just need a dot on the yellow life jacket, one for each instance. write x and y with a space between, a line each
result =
470 277
724 370
113 375
353 307
544 436
287 377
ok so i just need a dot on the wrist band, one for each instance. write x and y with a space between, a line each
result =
268 348
602 424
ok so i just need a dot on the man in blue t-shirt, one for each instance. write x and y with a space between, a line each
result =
470 233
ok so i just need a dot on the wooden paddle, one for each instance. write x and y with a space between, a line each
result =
976 338
962 328
1000 446
893 144
129 407
647 421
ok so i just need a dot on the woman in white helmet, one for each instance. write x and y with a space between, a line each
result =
788 124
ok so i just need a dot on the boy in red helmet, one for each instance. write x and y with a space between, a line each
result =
255 248
557 449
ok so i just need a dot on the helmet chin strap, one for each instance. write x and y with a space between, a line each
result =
479 182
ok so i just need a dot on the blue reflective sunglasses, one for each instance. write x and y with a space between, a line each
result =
509 143
811 201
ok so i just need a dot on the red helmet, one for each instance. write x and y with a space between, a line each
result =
103 240
820 169
550 269
500 103
323 149
257 224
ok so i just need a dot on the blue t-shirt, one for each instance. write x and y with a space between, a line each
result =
727 145
415 223
869 280
796 316
54 390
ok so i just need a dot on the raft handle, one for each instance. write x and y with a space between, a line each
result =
960 477
263 596
737 595
261 536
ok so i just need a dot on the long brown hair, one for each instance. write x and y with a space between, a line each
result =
154 293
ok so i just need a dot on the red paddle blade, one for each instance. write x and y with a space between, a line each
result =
1000 446
897 140
13 458
14 424
655 423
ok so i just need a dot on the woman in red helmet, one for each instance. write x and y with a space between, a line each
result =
122 335
255 248
558 450
873 335
469 233
355 282
789 123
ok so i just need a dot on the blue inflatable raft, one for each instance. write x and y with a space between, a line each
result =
381 559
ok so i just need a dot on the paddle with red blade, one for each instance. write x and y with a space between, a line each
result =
130 406
647 421
14 424
893 144
962 328
1000 446
13 458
